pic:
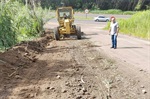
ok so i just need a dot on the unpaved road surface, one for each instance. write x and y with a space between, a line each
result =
77 69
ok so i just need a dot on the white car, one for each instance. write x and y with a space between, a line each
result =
101 19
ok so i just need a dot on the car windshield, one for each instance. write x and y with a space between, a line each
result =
62 12
101 17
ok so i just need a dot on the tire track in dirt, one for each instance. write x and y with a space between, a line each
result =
82 58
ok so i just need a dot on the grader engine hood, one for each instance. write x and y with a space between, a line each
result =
67 25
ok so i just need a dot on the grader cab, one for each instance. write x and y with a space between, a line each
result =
65 18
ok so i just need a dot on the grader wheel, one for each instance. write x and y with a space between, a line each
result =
78 32
56 34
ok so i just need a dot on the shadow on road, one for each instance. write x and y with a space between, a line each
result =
128 47
91 34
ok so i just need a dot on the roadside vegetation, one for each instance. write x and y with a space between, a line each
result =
138 25
113 11
19 22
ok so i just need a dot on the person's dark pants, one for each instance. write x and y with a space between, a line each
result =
114 41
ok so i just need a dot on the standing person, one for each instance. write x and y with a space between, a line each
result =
113 31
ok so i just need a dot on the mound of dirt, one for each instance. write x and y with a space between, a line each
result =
19 57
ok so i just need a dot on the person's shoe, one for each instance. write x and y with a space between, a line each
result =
111 47
115 47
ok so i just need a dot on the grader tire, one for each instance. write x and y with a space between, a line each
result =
56 34
78 32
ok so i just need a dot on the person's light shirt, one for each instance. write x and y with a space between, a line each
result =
113 27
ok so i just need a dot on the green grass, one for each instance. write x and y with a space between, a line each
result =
138 25
83 18
113 11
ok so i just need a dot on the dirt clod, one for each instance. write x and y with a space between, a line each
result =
18 77
79 97
144 91
64 91
142 86
84 90
67 84
58 77
48 88
52 88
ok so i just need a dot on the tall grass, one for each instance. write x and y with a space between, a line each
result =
138 25
19 22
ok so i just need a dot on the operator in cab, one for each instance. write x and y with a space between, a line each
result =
65 16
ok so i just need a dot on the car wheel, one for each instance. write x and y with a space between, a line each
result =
107 20
96 20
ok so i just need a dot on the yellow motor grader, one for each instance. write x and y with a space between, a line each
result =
65 17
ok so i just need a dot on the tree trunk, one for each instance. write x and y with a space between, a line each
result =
26 3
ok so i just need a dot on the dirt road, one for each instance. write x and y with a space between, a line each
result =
77 69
